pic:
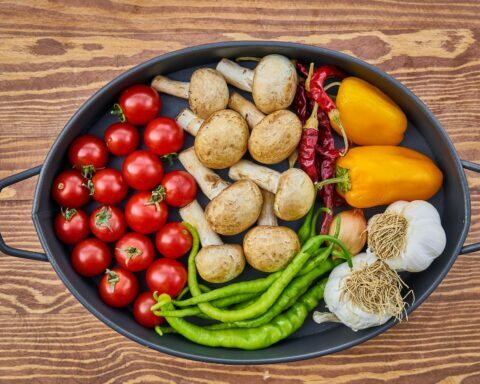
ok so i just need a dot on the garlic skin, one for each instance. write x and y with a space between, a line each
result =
347 312
425 238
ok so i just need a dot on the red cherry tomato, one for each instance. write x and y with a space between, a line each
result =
163 136
88 153
71 226
70 189
90 257
166 276
180 188
121 138
108 223
139 104
118 287
143 214
134 252
173 240
142 312
142 170
108 187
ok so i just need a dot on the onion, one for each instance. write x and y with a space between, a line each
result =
353 229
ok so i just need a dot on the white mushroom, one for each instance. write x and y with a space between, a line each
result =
207 91
221 140
267 247
294 190
216 262
233 208
273 83
273 137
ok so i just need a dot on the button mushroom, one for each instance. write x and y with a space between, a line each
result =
273 83
294 190
274 137
216 262
267 247
207 91
233 208
220 140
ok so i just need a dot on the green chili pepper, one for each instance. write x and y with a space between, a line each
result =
304 231
185 290
288 297
260 337
268 298
195 310
253 286
313 227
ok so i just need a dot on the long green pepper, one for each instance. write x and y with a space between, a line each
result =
260 337
268 298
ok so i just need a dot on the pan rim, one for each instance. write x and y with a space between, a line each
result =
36 210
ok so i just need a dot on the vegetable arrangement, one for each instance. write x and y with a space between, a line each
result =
127 228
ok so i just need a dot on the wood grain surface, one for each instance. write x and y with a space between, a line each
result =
55 54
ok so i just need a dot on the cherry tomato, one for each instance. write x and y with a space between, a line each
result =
145 213
173 240
166 276
139 104
180 188
71 226
118 287
70 189
142 312
91 257
121 138
134 252
163 136
142 170
88 153
108 223
107 186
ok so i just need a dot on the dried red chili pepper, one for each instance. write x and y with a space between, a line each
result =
308 143
300 103
314 85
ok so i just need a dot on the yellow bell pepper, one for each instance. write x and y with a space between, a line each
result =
379 175
369 116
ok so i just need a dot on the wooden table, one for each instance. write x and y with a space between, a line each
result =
55 54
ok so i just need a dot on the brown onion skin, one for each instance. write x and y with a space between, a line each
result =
353 229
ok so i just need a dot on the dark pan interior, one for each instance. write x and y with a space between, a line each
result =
424 134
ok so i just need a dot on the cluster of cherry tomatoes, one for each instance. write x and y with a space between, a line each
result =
145 212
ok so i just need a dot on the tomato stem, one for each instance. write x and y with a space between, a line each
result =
112 278
103 218
158 195
117 111
169 157
88 171
69 213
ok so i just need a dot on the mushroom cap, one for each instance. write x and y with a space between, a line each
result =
275 137
269 249
274 83
208 92
222 139
294 196
235 209
220 263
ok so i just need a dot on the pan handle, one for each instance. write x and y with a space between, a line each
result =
475 168
4 247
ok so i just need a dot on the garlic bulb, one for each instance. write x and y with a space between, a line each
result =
408 236
364 296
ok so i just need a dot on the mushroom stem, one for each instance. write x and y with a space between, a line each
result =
209 182
264 177
194 215
189 121
236 75
171 87
246 109
267 215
